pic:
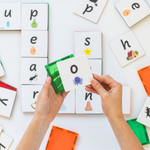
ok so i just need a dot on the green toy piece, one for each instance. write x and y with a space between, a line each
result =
140 131
1 63
53 72
34 24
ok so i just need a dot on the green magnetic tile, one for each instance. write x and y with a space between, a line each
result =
53 72
139 130
1 63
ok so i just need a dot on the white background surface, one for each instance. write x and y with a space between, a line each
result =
95 132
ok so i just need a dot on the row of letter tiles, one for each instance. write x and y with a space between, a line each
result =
17 16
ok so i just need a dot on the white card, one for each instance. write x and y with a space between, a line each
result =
96 66
87 103
35 16
127 49
29 97
68 107
5 141
33 71
34 43
144 116
2 73
90 9
10 16
126 100
1 129
89 43
7 98
75 72
133 11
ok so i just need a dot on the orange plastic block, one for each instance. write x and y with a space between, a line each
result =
61 139
145 78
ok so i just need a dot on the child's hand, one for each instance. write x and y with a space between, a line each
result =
110 92
48 102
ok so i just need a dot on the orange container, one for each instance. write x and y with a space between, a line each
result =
61 139
144 74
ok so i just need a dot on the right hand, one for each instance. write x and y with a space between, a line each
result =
110 92
48 102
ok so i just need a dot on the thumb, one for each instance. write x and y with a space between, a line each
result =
98 87
46 86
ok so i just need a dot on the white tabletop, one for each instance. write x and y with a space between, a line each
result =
95 132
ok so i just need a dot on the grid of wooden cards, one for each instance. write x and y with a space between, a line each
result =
33 22
32 19
74 73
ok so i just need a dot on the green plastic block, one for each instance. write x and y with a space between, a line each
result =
139 130
53 72
1 63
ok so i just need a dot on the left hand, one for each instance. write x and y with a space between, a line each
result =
48 102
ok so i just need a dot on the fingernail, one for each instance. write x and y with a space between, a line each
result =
48 79
94 82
